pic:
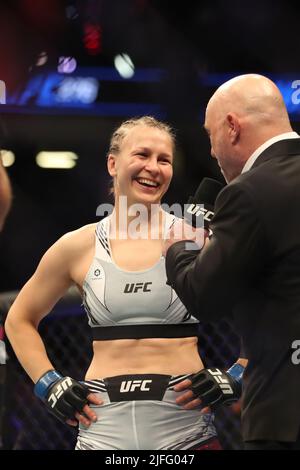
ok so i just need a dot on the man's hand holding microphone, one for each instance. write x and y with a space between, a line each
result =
194 228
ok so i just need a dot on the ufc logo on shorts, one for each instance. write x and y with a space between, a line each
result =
197 210
60 389
222 381
131 385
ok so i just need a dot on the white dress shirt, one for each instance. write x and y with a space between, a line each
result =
287 135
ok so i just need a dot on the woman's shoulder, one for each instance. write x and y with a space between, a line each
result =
79 239
80 232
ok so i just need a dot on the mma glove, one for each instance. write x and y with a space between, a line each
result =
215 387
63 396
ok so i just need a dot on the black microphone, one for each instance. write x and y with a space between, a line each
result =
200 207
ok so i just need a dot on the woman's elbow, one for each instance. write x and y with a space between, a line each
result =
15 323
11 324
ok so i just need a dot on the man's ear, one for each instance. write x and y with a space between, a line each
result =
234 127
111 165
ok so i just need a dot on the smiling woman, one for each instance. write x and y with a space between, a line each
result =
139 325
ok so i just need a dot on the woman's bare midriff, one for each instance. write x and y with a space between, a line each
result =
173 356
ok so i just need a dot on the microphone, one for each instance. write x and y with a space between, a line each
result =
200 207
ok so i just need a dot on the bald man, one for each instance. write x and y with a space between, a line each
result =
250 269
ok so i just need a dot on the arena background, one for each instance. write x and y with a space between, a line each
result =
73 70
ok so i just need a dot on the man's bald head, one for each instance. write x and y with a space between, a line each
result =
254 96
244 113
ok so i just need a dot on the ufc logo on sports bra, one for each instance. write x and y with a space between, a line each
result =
223 382
133 288
131 385
196 210
60 389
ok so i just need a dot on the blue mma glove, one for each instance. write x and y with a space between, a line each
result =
215 387
63 396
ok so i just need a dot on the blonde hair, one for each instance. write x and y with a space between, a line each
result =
121 132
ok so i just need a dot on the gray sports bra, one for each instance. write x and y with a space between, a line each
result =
126 304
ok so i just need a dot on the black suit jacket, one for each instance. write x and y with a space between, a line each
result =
251 270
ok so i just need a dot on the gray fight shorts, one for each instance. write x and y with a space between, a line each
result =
139 412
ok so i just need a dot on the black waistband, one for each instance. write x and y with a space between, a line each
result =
134 387
181 330
147 387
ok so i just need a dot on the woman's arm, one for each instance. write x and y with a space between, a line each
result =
36 300
67 399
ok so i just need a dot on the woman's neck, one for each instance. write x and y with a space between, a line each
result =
140 222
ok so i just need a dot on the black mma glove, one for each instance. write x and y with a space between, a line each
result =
63 396
215 387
